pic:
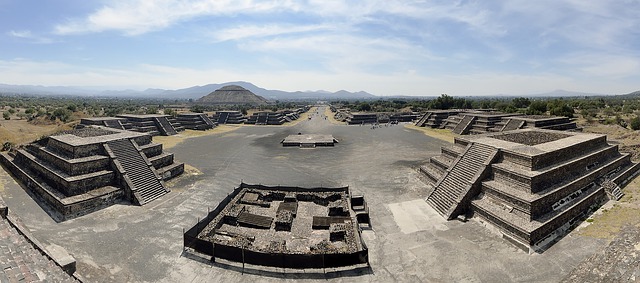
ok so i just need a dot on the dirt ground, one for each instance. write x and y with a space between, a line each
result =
629 140
442 134
21 131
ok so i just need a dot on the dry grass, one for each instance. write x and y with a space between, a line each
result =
330 118
442 134
608 220
22 132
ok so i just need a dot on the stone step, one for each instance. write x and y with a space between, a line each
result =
144 180
457 182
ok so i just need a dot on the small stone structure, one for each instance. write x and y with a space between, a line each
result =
361 118
435 118
309 140
288 227
228 117
195 121
464 122
266 118
153 124
75 172
111 122
532 184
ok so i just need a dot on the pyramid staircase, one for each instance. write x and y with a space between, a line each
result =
512 124
423 119
464 125
207 120
113 124
222 118
452 192
165 127
146 184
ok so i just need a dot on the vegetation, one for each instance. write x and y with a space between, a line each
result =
614 110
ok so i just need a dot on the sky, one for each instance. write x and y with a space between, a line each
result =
385 47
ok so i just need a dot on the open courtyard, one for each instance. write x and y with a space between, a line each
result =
409 241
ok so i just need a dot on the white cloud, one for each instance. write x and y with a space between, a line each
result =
28 35
604 66
252 31
134 17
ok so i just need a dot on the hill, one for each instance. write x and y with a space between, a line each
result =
193 92
233 95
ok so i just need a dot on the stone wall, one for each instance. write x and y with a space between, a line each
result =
566 153
71 167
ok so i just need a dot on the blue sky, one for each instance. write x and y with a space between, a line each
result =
382 47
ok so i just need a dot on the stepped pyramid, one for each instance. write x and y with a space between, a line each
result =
76 172
233 95
532 184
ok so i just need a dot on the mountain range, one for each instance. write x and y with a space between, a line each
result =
193 92
196 92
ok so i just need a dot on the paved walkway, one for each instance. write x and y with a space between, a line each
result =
127 243
21 262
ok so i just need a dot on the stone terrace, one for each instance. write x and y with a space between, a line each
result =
473 121
76 172
153 124
540 183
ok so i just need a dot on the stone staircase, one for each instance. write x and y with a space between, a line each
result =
222 119
165 127
207 120
423 119
512 124
146 185
113 124
262 120
613 190
464 125
452 191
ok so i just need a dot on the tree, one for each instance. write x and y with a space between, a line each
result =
537 107
151 110
61 113
635 123
170 112
560 108
364 106
521 102
6 115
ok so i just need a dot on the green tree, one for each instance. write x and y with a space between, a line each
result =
635 123
6 115
364 106
520 102
560 108
151 110
63 114
537 107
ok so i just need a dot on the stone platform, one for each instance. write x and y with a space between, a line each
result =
532 184
281 226
76 172
309 140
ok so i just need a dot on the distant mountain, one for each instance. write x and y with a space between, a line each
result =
565 93
233 95
632 94
193 92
